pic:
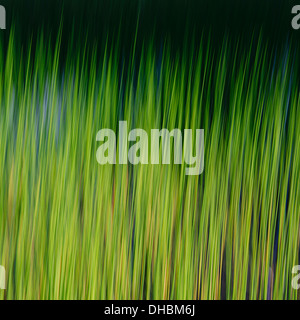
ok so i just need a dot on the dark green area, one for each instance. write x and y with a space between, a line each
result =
176 21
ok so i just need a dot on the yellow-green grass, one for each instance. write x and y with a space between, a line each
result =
72 229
